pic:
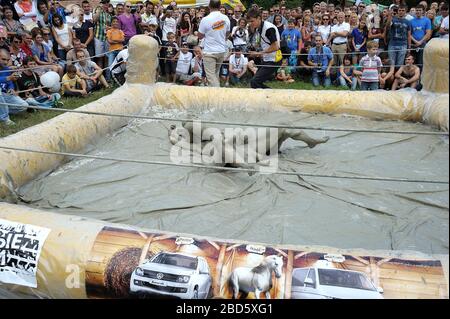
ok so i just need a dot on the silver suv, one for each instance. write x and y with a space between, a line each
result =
173 274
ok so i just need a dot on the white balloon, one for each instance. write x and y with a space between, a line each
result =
51 80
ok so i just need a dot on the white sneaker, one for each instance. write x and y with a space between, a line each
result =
227 84
8 122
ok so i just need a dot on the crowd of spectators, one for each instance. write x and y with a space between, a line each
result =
358 46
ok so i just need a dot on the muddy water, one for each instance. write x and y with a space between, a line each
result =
272 209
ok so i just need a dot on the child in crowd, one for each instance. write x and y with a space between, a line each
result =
346 76
171 52
284 73
370 66
72 84
184 58
115 38
359 39
238 66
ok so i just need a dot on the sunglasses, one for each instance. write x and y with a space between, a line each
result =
45 34
17 41
127 6
326 19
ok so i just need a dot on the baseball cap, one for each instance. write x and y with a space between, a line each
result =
104 1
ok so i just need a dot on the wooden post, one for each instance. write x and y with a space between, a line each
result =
219 267
289 268
145 249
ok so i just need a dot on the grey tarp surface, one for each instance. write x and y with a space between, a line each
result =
271 209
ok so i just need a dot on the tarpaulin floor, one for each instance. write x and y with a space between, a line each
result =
273 209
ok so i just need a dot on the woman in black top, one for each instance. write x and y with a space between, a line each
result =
84 30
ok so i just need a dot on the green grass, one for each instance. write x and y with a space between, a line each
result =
25 120
30 119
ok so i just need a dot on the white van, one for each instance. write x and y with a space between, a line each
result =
332 283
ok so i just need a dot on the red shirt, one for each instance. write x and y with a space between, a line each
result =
26 49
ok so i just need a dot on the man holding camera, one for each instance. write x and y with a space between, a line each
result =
270 44
321 58
10 103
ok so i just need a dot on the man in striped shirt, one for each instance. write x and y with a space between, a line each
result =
102 20
370 66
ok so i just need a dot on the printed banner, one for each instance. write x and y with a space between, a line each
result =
127 263
20 248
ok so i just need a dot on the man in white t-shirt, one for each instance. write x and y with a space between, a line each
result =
338 38
238 66
214 29
87 13
168 24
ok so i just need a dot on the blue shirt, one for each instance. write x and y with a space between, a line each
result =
324 56
420 27
291 37
359 37
6 85
398 32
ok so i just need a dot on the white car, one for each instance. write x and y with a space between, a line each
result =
173 274
332 283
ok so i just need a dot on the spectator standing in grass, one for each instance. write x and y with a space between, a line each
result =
293 39
399 31
214 30
339 34
171 52
116 38
359 39
102 20
421 33
128 22
62 34
84 31
370 66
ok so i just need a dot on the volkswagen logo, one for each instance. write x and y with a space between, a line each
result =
159 276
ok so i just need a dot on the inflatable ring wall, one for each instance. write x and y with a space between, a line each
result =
56 256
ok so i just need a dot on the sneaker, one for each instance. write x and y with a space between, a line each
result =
227 84
58 104
8 122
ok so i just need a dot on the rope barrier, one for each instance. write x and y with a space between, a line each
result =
296 66
157 118
230 169
306 54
